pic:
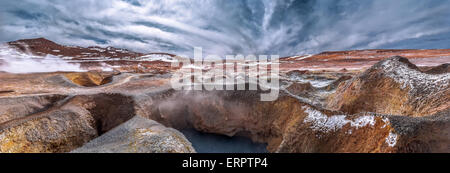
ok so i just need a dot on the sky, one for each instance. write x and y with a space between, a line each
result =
229 27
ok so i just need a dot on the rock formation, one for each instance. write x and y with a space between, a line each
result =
394 86
393 106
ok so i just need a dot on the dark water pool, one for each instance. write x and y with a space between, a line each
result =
211 143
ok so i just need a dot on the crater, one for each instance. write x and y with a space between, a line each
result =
90 79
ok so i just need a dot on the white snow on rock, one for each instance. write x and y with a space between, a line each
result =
391 139
157 57
415 80
323 123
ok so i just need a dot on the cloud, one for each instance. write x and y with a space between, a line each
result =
231 27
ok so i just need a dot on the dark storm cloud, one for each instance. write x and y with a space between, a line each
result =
284 27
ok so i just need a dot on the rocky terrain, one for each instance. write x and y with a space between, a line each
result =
376 101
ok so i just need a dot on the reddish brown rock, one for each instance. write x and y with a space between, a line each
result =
61 111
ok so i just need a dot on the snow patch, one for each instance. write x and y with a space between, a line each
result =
323 123
2 136
363 121
158 57
314 83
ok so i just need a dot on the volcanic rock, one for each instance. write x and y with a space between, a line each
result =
90 79
325 132
290 125
444 68
139 135
393 86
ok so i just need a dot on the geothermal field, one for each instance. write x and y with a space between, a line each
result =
58 98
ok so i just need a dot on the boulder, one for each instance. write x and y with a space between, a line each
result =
139 135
